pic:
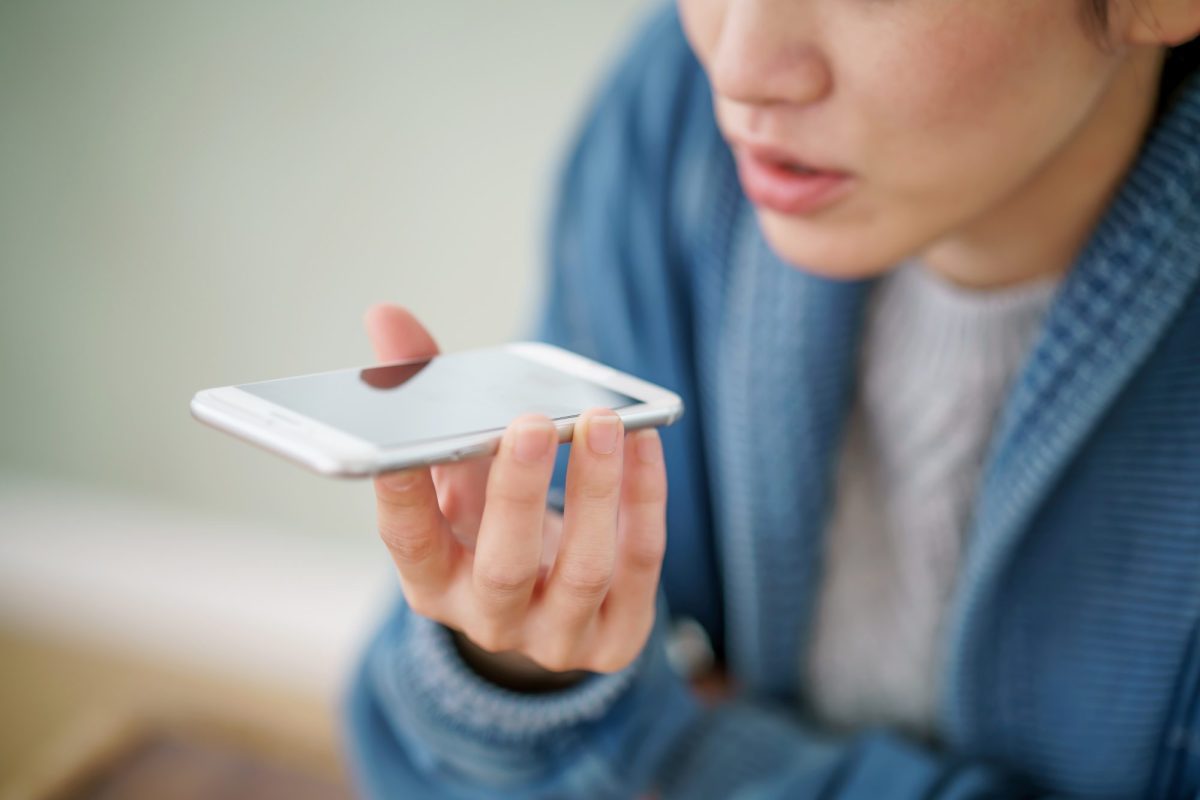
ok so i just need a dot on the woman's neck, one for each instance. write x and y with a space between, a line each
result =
1038 231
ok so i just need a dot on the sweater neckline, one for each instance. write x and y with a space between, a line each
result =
924 290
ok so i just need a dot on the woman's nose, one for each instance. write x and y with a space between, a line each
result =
765 54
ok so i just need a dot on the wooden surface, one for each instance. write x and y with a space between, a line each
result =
178 765
86 724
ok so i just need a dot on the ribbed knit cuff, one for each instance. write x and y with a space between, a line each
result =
428 666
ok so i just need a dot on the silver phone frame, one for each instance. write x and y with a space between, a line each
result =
332 452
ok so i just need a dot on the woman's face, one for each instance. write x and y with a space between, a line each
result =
918 117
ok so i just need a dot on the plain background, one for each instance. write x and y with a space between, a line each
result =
196 194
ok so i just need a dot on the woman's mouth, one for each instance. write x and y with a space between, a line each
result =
773 180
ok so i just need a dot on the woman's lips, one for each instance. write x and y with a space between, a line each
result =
774 182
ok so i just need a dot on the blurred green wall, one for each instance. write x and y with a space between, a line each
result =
195 194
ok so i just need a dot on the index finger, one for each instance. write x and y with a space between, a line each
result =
411 524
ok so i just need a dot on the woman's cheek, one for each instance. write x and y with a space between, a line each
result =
948 111
701 23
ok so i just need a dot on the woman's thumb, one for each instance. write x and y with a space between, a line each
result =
396 335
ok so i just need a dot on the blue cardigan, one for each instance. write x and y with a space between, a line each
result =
1073 652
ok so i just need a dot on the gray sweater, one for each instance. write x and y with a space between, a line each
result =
935 365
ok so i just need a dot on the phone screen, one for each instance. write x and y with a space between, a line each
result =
450 395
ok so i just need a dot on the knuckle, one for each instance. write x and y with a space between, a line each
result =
645 553
586 583
600 490
406 545
498 583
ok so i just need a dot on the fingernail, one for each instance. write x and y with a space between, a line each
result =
532 442
649 448
602 433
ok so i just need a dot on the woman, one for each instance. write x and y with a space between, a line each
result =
926 275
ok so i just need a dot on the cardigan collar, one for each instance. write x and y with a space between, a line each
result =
788 344
1127 286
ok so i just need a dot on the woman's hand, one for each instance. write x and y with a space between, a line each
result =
478 551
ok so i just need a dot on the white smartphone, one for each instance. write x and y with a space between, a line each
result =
358 422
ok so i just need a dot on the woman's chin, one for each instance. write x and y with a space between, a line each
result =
839 255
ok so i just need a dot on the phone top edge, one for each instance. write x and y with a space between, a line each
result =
334 453
382 460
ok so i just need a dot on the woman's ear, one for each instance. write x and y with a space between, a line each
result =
1159 22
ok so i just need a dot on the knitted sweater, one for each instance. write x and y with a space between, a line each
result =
1072 647
934 365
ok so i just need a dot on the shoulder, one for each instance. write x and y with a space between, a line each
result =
654 74
632 195
650 118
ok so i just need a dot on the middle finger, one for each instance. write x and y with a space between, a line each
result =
508 551
583 569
